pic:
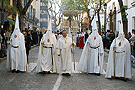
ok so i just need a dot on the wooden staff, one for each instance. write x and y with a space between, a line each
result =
73 52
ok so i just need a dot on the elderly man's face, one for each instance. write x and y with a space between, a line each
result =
64 33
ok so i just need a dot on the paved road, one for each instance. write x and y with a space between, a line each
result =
33 81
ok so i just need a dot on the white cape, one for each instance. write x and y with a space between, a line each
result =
89 59
44 62
123 65
18 60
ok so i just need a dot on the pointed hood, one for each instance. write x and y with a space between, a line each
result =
94 28
16 29
50 24
47 39
121 35
17 23
16 35
49 30
94 25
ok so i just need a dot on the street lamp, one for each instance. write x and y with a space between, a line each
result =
105 7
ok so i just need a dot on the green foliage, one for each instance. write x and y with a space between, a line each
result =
74 5
8 8
124 8
124 14
82 5
102 28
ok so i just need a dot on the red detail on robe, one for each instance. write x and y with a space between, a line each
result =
56 36
81 41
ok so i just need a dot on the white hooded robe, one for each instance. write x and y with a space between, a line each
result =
46 57
91 60
119 62
18 56
92 57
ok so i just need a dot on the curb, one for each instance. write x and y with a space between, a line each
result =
5 58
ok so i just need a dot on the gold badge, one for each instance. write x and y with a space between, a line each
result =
48 40
65 42
15 36
120 44
94 38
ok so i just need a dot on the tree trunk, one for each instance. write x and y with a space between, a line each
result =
22 11
99 25
125 22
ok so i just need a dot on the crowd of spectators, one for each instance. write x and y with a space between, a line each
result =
31 38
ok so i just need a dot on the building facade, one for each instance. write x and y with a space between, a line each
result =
130 14
43 14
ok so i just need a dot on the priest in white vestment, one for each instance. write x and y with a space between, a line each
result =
46 57
119 62
63 48
91 60
18 60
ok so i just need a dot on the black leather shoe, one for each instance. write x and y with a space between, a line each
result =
63 74
17 71
13 71
48 72
67 74
98 74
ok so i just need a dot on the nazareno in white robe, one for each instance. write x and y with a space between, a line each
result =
18 60
44 62
121 58
47 58
91 60
63 48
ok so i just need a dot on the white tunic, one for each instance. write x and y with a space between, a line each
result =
64 50
46 51
18 60
119 62
91 60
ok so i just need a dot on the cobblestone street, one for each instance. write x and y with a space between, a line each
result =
33 81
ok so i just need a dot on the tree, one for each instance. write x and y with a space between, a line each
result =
52 9
124 17
22 10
